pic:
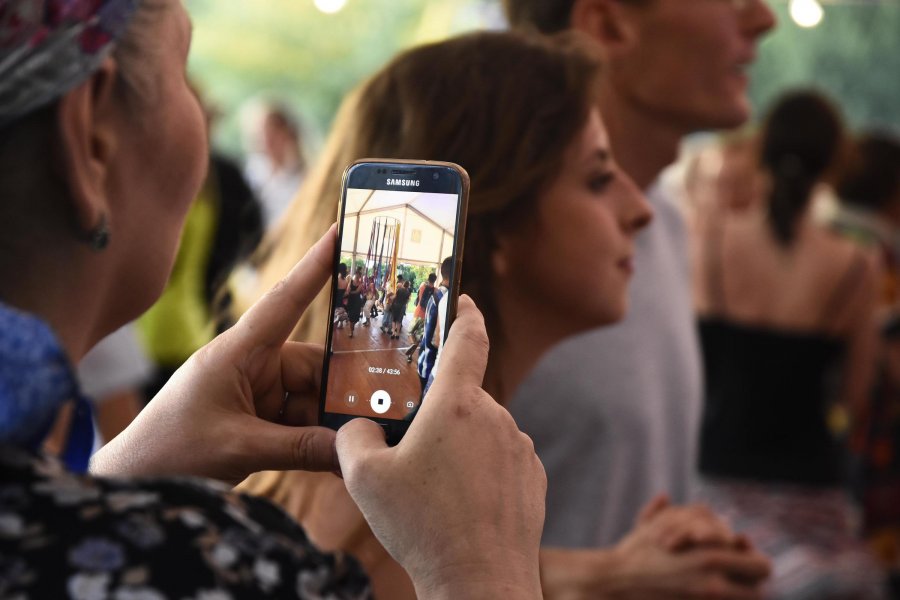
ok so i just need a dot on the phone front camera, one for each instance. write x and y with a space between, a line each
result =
436 176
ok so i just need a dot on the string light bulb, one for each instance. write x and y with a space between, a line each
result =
806 13
329 7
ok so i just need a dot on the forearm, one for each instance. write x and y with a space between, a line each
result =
118 458
568 574
116 413
151 447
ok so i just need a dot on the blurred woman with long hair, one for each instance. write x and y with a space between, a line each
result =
787 329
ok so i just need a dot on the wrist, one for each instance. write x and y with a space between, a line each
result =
511 579
107 461
622 582
580 573
616 565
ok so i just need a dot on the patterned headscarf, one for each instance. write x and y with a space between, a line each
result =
48 47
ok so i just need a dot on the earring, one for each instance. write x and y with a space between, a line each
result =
99 235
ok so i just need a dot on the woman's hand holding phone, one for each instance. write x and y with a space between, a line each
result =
397 220
459 502
245 402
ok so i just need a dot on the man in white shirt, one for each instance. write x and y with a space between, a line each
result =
614 413
435 328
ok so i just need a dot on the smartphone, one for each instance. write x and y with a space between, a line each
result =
396 273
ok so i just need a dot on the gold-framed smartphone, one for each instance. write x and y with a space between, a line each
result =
396 274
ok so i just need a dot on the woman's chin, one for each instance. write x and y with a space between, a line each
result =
611 314
595 320
619 314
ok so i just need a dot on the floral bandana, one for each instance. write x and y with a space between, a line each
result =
48 47
35 381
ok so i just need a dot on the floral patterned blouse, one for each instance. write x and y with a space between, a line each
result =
71 536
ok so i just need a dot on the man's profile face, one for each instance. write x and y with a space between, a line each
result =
690 64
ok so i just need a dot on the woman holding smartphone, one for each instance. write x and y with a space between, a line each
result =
102 150
547 197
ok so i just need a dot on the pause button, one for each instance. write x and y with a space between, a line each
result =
381 402
352 399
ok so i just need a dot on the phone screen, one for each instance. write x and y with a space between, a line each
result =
394 290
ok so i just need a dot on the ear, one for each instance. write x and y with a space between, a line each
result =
499 263
502 255
608 22
88 139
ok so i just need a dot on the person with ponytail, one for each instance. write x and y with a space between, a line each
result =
786 319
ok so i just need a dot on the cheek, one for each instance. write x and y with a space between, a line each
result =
181 155
683 66
179 175
665 61
190 135
601 247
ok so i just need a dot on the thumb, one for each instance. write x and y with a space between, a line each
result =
653 508
742 542
273 317
284 448
465 353
356 441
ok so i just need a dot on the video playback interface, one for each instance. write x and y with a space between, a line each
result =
390 301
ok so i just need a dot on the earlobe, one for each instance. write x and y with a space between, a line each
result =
87 145
606 22
501 256
499 263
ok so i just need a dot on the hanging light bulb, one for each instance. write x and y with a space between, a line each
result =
807 13
329 7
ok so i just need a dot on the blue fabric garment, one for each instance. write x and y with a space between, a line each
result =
428 352
36 379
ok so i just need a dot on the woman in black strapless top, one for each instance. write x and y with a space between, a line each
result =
787 332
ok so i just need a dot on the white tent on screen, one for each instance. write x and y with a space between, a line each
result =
385 228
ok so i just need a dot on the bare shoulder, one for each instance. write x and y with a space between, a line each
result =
860 271
844 254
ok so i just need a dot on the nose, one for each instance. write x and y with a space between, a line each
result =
758 18
636 212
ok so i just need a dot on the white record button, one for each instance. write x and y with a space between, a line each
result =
381 402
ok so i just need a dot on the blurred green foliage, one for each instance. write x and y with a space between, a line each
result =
853 55
416 274
290 51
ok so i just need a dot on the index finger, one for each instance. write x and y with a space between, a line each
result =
465 353
274 316
748 567
653 508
